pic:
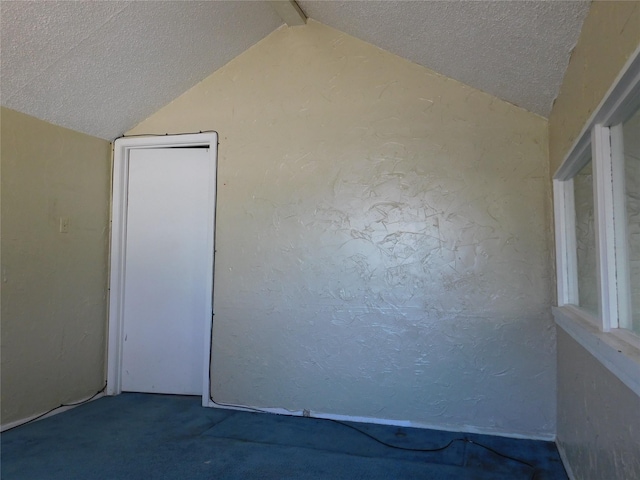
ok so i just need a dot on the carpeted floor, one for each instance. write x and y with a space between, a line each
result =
139 436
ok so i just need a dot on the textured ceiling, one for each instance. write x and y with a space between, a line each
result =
100 67
515 50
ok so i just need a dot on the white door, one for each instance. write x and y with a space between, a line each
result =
166 273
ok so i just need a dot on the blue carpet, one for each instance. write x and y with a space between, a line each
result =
139 436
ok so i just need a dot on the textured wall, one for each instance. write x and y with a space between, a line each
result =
610 34
53 284
382 241
631 135
598 421
597 415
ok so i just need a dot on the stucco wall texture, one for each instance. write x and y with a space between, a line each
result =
382 238
598 421
598 416
54 285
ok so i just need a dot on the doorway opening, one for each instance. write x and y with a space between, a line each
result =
161 272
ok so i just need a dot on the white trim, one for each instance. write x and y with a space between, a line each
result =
580 157
617 352
611 110
55 411
566 254
601 132
571 245
623 271
565 460
603 217
561 229
290 12
627 336
384 421
122 146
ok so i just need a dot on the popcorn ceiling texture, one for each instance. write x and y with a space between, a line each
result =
101 67
382 241
517 51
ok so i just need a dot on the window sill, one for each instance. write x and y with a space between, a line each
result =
618 351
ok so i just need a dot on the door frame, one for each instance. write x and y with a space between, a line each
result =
121 150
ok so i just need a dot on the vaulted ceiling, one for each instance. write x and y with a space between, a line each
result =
100 67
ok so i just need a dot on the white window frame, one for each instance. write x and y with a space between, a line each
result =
617 348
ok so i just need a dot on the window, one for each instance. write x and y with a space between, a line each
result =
597 219
585 235
625 151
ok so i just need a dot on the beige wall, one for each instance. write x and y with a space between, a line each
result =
598 421
382 238
54 285
610 34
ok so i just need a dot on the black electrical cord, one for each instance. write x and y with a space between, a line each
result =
258 410
62 405
162 135
390 445
439 449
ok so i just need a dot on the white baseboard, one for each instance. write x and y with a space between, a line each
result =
385 421
565 461
330 416
64 408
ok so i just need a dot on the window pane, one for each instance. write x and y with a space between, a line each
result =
586 240
631 135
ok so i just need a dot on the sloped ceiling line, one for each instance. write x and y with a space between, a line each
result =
101 67
125 69
290 12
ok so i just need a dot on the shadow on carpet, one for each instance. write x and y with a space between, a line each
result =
167 437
